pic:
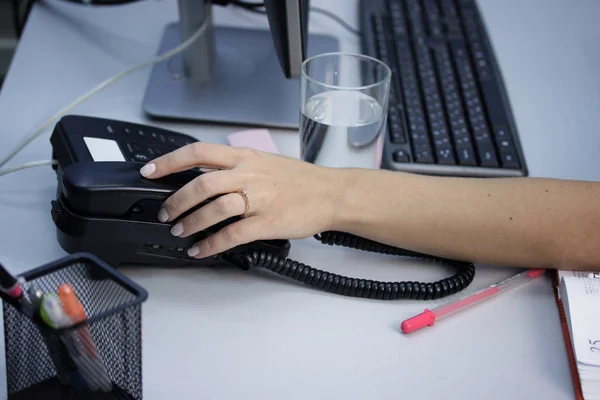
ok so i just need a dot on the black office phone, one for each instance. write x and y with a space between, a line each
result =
105 207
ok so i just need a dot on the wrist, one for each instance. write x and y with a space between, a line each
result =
351 195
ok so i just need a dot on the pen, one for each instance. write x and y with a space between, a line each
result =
9 284
13 287
74 309
429 317
53 314
55 349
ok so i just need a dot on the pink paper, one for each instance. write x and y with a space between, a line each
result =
258 139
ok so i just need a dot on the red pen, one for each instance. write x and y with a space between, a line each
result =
429 317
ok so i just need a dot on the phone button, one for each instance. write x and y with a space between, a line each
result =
140 157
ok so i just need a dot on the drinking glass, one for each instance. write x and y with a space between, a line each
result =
344 101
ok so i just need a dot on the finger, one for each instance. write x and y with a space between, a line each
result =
196 154
241 232
218 210
198 190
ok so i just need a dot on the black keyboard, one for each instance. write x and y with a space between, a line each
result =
449 113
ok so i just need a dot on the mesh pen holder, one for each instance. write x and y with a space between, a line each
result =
99 358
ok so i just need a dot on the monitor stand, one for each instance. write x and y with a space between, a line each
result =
244 84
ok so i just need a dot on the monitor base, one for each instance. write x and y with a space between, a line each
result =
247 87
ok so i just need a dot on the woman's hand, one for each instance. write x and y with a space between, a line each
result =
287 198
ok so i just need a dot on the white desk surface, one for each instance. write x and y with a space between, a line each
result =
226 334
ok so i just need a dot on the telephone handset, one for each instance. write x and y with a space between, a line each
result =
105 207
117 190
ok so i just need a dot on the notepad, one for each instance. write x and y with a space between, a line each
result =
577 274
580 297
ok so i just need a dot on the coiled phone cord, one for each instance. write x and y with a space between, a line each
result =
364 288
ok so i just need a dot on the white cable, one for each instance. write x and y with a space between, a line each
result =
27 165
103 85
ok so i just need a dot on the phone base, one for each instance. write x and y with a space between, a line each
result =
122 241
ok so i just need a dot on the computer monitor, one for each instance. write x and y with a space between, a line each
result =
235 75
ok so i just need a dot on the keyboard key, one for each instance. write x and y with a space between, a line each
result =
400 156
462 139
504 143
466 156
482 136
378 27
445 156
397 134
501 132
487 154
420 138
470 25
423 155
453 28
509 158
441 141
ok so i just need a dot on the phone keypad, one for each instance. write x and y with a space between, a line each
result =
143 145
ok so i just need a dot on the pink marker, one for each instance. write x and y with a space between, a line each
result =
429 317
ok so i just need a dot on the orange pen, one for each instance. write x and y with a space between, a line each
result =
74 309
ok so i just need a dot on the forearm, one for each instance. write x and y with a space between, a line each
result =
508 222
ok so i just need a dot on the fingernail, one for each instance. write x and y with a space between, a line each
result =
148 169
177 229
163 216
193 251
